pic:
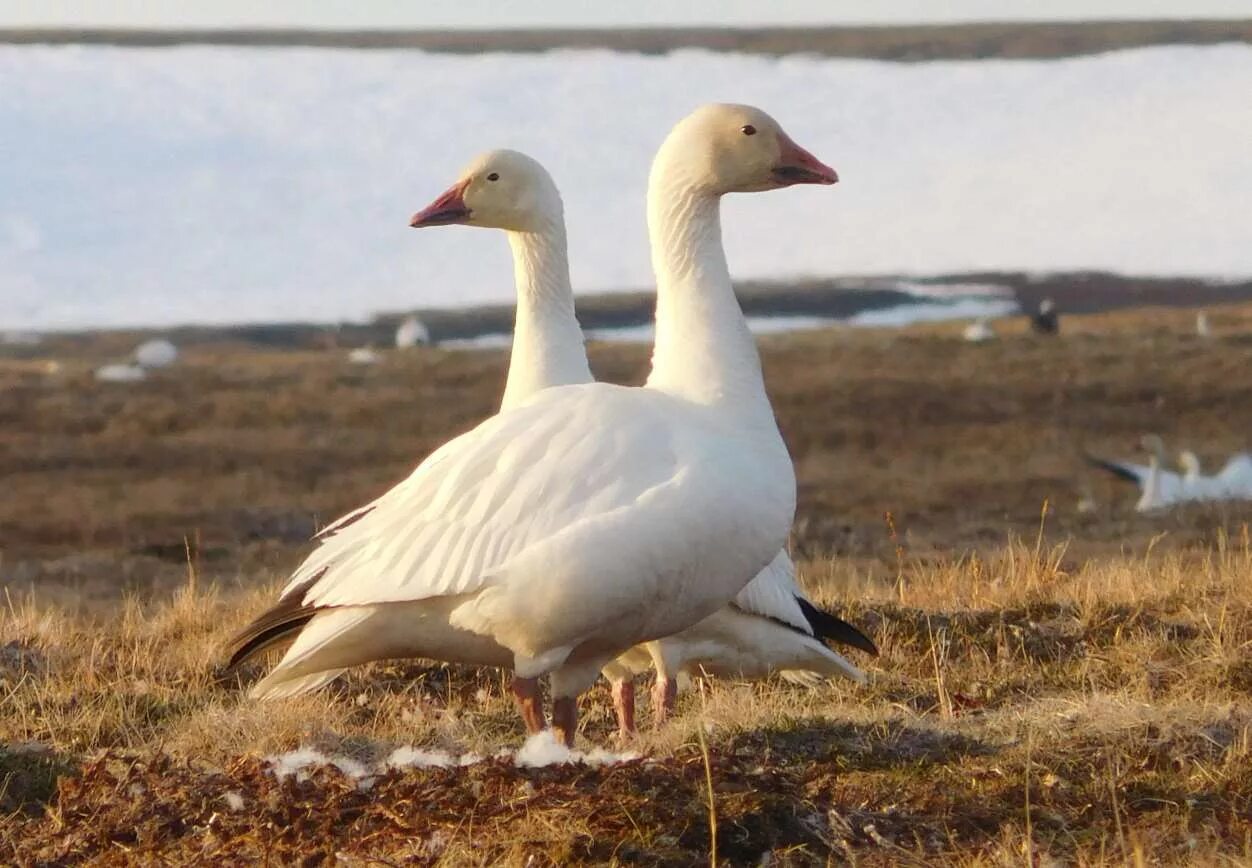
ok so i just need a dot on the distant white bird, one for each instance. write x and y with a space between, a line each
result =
1189 464
156 353
1195 485
412 333
364 356
1046 322
978 331
120 373
1161 488
592 517
1234 480
1158 488
1202 328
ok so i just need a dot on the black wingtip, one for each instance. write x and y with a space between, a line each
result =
287 617
1112 467
827 626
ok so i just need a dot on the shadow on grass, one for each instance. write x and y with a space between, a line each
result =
29 774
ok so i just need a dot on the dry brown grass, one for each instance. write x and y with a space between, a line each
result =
1075 688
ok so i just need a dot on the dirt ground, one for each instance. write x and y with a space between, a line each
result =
1061 679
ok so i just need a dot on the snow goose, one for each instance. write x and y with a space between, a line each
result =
770 627
412 333
1234 480
156 353
592 517
1159 488
1045 321
979 331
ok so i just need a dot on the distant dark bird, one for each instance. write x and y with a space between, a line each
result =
1045 322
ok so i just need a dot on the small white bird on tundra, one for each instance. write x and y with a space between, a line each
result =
156 353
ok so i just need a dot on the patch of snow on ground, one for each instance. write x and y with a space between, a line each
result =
539 750
543 749
233 800
250 184
910 313
297 762
420 758
119 373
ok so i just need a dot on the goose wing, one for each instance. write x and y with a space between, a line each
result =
774 594
1136 473
488 496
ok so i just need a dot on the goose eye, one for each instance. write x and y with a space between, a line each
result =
494 176
748 130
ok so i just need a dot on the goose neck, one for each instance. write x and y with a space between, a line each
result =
548 345
704 351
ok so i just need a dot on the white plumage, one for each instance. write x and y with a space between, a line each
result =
591 517
156 353
412 333
119 373
1161 488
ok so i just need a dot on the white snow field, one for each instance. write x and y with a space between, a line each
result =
199 185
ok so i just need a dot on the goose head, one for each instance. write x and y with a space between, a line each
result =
722 148
1155 447
1189 463
499 190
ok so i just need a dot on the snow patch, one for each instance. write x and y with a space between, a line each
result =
420 758
156 353
538 751
299 761
197 153
233 800
118 373
542 749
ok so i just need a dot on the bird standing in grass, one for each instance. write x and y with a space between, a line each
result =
556 535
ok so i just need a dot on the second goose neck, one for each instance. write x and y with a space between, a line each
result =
704 351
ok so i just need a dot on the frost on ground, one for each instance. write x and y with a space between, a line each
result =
539 751
197 155
543 749
297 762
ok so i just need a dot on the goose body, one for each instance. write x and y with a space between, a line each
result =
1160 488
979 331
587 518
770 627
1232 482
411 333
120 373
156 353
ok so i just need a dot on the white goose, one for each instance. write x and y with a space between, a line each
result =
770 626
1232 482
1158 488
592 517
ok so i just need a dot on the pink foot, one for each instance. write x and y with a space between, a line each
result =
529 703
664 691
565 718
624 705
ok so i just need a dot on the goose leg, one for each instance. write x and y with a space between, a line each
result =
664 691
624 705
529 703
565 718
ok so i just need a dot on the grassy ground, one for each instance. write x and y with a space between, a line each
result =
1057 685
